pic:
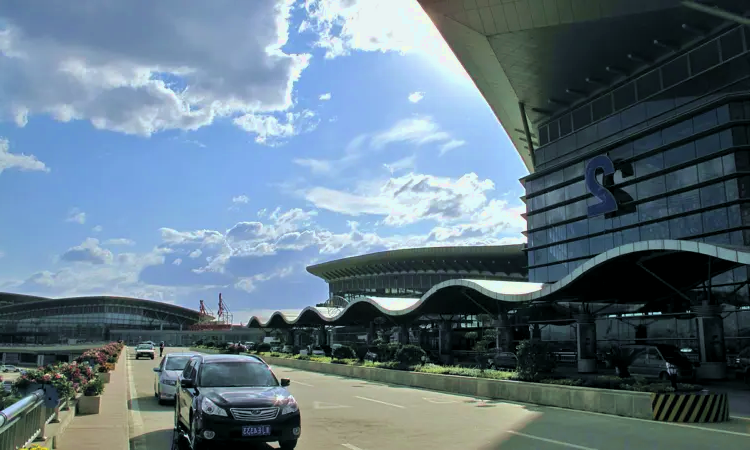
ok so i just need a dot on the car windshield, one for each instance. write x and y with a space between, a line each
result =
143 347
236 374
176 362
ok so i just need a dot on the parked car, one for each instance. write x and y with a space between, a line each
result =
170 368
655 361
9 368
287 349
145 351
226 400
502 360
742 365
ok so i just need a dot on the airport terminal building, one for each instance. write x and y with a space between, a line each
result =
633 119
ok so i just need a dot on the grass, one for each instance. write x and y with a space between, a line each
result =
634 384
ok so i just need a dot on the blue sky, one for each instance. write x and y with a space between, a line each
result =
174 155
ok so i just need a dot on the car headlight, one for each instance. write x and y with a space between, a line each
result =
169 382
210 408
290 406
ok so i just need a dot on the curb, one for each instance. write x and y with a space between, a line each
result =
67 420
129 394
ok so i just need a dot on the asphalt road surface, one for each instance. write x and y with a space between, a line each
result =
353 414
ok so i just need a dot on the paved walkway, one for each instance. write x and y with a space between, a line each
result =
108 429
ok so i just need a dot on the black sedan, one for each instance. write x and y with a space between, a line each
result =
225 400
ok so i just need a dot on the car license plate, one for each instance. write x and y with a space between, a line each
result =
257 430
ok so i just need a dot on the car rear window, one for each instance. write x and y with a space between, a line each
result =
177 362
236 374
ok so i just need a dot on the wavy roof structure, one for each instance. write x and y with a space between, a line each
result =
630 274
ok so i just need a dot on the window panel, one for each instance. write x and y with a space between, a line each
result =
577 229
704 57
682 178
648 85
655 209
683 227
649 165
651 187
600 244
575 190
624 96
715 220
674 71
707 145
679 155
578 249
655 231
684 202
647 143
713 195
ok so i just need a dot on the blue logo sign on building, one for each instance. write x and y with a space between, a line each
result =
607 201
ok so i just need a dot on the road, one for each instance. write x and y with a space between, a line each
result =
358 415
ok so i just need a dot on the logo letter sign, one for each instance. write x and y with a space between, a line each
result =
607 202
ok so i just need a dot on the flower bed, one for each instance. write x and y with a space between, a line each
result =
79 376
636 384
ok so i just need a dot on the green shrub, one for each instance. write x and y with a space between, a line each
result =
94 387
387 352
410 355
263 347
344 352
534 359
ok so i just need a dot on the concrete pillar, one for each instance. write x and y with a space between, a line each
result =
371 333
446 341
403 334
322 335
711 342
536 332
289 337
586 337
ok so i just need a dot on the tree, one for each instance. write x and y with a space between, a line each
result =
622 359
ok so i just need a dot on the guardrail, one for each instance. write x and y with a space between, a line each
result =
24 421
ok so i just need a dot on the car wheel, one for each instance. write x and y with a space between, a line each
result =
287 445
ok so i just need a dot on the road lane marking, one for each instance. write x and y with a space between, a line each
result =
303 384
351 447
135 410
551 441
378 401
324 405
438 401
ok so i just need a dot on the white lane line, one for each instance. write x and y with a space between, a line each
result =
135 410
551 441
439 401
303 384
351 447
378 401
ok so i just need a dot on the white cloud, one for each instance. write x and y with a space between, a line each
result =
88 252
416 131
414 197
140 67
270 130
451 145
325 97
416 97
119 241
240 199
20 161
75 215
97 229
402 164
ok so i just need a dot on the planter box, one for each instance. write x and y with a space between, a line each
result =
88 405
604 401
105 377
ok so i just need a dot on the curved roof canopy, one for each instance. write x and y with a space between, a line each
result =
541 53
630 274
507 260
44 303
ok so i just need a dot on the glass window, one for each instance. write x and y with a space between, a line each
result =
674 71
729 164
557 271
582 117
535 203
708 170
732 190
556 234
648 85
651 187
734 216
705 121
682 178
576 209
557 253
624 96
539 238
682 227
578 249
577 229
554 197
575 190
649 165
713 195
540 256
679 155
599 224
555 215
566 126
655 209
731 44
704 57
608 126
677 131
602 107
177 362
655 231
630 235
553 179
624 151
684 202
647 143
716 220
600 244
236 374
574 171
554 131
718 239
707 145
633 115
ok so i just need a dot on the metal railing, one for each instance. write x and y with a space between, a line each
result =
25 421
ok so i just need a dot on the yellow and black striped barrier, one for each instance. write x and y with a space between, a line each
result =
690 407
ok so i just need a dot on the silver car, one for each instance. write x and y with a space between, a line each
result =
167 372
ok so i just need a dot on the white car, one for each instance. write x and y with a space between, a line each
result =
318 351
9 368
167 375
145 351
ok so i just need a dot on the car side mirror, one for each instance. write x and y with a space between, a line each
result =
187 384
156 369
285 382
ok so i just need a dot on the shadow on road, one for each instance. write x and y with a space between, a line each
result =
162 440
148 403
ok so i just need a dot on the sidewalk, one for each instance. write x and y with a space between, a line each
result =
108 429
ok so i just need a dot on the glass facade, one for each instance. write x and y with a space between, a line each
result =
402 285
45 322
679 137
